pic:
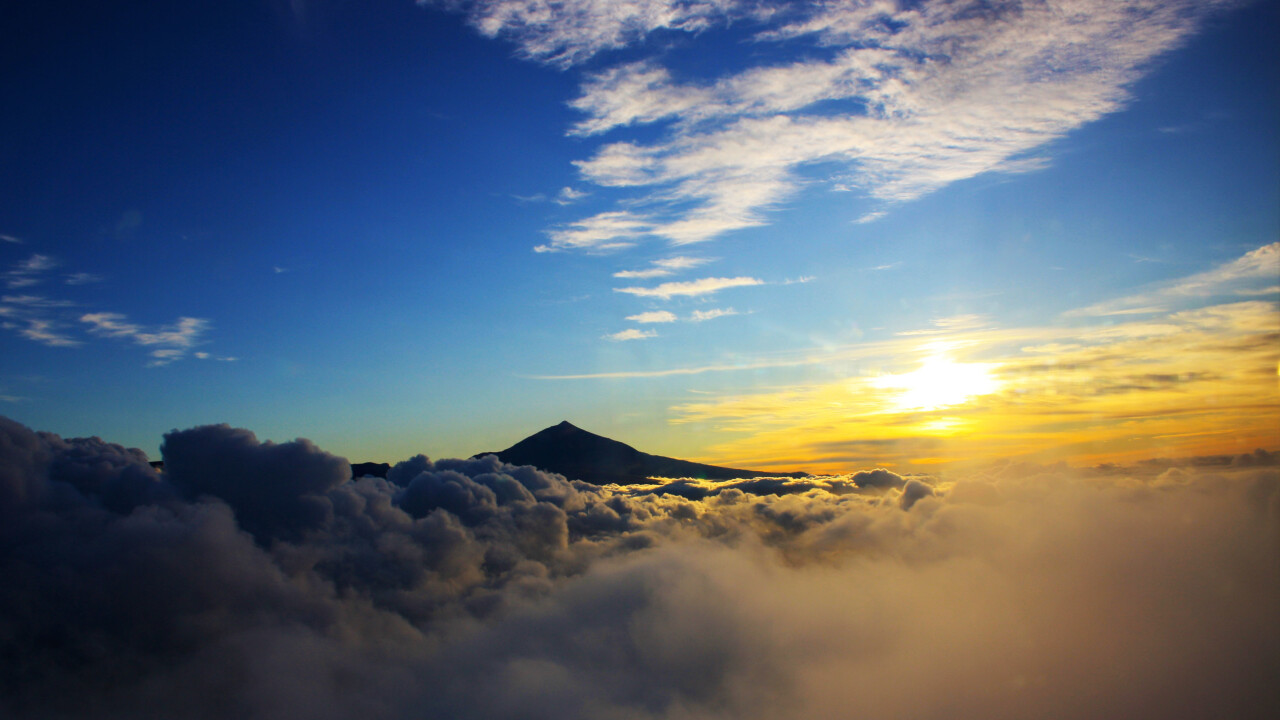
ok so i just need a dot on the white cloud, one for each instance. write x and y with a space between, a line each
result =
1232 278
110 325
704 286
82 278
938 92
46 332
27 272
607 231
631 334
664 267
642 274
35 301
170 343
564 32
10 239
704 315
568 195
654 316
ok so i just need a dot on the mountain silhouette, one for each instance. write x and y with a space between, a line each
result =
581 455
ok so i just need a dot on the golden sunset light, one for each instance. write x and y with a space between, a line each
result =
1195 382
939 382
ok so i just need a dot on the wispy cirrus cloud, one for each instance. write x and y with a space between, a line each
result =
690 288
664 267
28 272
705 315
167 343
631 334
655 316
1248 275
565 32
905 98
82 278
60 322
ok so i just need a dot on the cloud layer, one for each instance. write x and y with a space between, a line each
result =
252 579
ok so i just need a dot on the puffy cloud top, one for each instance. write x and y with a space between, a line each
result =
257 580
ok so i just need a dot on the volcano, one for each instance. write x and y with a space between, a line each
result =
580 455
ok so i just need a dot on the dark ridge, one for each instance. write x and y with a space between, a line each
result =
581 455
359 470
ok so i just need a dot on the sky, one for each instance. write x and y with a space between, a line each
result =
808 236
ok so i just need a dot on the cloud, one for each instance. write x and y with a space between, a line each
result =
704 315
82 278
691 288
170 343
47 332
664 267
631 334
49 320
903 98
1259 266
10 239
653 316
27 272
600 233
562 33
473 589
568 196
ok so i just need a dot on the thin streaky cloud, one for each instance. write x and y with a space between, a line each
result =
82 278
656 316
10 239
168 343
631 334
27 272
46 332
1231 278
606 231
643 274
691 288
35 301
704 315
664 267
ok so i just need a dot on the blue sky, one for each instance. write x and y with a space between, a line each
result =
396 228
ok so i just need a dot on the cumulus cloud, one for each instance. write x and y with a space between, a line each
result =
252 579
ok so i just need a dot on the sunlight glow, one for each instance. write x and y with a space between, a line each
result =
940 382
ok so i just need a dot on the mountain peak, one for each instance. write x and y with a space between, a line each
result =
582 455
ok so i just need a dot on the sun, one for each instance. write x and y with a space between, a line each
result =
939 382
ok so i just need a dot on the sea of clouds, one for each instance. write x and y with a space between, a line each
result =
258 580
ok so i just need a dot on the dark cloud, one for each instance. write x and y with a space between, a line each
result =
257 580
